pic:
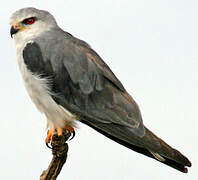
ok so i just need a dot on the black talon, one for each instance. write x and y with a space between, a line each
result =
48 145
73 135
70 134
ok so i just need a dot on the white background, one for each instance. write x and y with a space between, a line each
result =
151 46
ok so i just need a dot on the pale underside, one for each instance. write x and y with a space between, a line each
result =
38 90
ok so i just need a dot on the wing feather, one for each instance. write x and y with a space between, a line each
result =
84 84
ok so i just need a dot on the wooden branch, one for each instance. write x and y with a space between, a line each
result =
59 151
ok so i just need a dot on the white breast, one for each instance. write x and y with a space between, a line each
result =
39 92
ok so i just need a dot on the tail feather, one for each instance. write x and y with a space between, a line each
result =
149 145
157 156
166 151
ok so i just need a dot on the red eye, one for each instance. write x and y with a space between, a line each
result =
29 20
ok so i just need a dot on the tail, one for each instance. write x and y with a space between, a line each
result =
149 145
156 148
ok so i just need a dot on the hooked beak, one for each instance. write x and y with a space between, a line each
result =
13 31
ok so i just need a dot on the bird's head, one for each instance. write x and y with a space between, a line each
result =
29 22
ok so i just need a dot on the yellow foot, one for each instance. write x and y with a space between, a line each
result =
67 128
70 129
59 133
49 136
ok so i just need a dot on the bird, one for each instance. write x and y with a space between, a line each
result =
69 82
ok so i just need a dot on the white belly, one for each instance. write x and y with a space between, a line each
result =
39 92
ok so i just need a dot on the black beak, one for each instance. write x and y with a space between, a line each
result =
13 31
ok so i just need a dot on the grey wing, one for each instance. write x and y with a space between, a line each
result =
84 84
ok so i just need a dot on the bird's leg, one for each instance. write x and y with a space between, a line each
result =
59 132
67 128
49 136
71 130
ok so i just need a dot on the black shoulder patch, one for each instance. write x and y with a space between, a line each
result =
33 58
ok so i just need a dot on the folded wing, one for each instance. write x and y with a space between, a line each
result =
82 83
